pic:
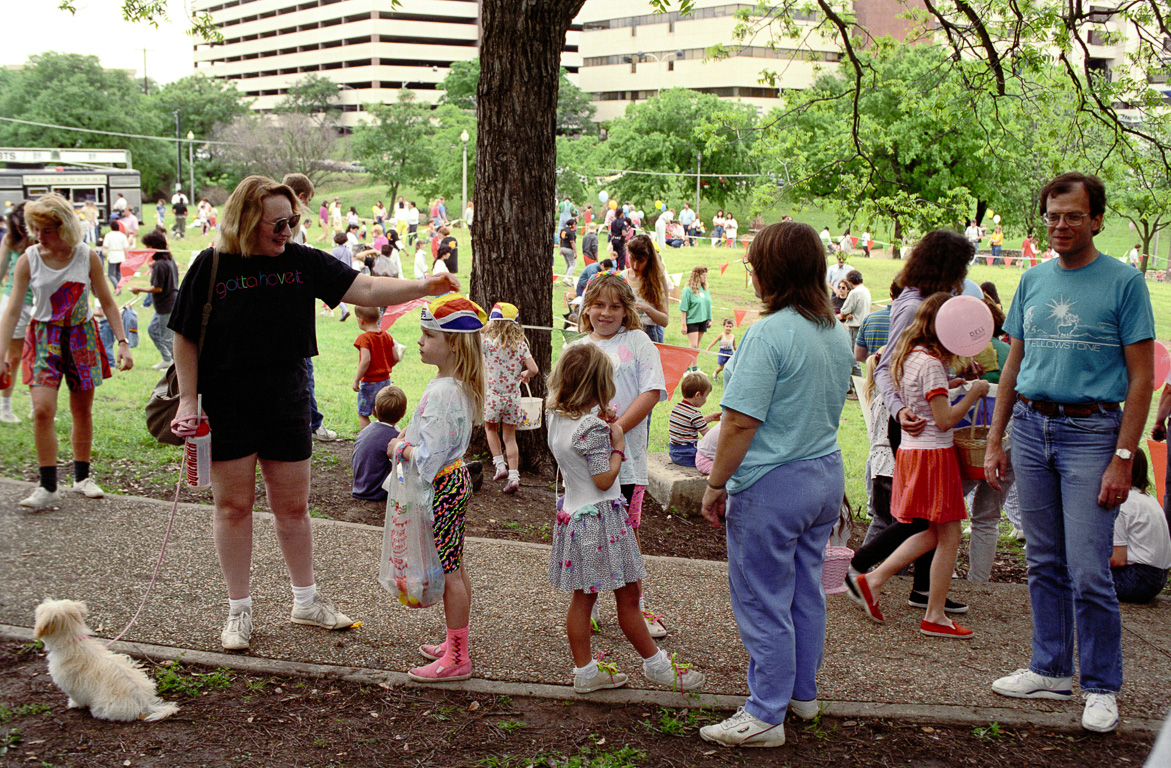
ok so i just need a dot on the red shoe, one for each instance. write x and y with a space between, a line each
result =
944 630
869 604
433 652
437 673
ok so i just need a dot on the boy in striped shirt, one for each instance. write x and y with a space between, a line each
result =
687 424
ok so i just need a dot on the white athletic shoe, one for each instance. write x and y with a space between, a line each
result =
237 631
1101 712
41 499
88 487
744 730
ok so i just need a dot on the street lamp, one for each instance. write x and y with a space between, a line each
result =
698 158
659 59
191 160
464 138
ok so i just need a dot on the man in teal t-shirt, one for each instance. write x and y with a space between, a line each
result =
1082 333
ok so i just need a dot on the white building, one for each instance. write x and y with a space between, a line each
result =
370 50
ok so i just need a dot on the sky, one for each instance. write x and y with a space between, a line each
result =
98 29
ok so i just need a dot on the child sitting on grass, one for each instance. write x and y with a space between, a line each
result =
370 463
376 359
687 424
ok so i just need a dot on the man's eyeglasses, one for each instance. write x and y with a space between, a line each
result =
1073 219
747 267
291 222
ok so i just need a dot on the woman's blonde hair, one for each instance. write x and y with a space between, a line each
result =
698 278
240 221
582 378
597 287
921 333
506 333
376 230
51 209
869 384
467 348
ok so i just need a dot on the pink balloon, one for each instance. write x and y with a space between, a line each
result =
1162 364
964 325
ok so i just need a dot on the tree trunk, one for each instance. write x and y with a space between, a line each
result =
516 105
896 251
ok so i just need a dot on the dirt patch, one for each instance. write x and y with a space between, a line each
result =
230 718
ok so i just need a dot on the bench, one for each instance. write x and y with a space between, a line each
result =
677 489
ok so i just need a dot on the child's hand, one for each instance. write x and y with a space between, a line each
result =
357 385
608 415
980 387
392 446
617 437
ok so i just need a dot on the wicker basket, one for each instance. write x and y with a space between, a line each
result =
833 571
970 443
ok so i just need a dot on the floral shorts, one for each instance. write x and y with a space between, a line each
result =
73 352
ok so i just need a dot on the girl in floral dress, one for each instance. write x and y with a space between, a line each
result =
508 363
594 549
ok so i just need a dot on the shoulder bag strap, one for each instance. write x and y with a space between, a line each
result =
215 262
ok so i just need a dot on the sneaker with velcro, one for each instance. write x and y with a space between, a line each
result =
744 730
1027 684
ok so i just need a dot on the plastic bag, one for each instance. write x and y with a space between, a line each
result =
410 568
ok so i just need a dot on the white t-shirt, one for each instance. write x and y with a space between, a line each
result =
115 244
1141 527
857 305
730 226
412 216
637 369
400 214
421 264
972 233
120 204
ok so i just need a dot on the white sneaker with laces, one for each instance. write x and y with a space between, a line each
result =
654 624
806 710
8 417
1101 712
675 675
237 631
88 487
744 730
321 613
324 435
1027 684
41 499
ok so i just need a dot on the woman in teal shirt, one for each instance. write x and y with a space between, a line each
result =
696 305
778 472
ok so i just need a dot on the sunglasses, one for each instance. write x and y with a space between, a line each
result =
291 222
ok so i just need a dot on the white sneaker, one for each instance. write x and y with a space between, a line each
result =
161 365
654 624
321 613
1027 684
8 417
324 435
675 675
1018 534
237 631
806 710
744 730
602 679
41 499
88 487
1101 712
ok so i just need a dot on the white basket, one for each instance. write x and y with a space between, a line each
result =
532 408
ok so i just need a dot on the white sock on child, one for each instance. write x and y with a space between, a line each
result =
641 603
303 596
498 461
5 405
238 606
658 662
594 611
514 474
586 672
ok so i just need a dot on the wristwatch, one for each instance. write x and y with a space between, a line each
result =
1124 454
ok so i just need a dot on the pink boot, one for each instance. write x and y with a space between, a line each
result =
455 664
433 652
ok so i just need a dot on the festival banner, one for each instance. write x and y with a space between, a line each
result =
1158 452
134 260
724 267
989 259
740 314
398 310
1008 261
676 361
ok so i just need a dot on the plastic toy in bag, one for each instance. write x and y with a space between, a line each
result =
410 568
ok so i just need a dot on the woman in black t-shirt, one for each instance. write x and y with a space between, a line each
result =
164 288
252 379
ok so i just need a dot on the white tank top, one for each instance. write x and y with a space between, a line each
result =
60 296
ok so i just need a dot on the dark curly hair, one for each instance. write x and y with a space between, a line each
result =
939 262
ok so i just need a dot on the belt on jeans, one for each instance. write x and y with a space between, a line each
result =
1075 410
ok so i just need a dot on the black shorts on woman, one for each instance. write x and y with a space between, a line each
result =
261 328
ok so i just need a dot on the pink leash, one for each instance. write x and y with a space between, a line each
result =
158 565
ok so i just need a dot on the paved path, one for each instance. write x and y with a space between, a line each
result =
103 551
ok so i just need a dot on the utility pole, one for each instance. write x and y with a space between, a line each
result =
178 155
698 159
145 81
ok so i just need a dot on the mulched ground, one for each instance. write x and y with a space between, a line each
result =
228 718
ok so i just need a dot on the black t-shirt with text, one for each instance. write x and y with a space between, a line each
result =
262 309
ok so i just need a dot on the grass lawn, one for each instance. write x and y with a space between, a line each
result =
120 434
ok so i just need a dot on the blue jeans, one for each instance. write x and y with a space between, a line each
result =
656 332
161 335
683 455
777 532
1138 583
315 416
1059 462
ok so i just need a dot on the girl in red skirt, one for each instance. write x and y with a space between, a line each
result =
927 481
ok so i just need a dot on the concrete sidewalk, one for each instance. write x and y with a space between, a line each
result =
103 552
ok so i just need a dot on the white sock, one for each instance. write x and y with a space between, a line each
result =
498 461
586 672
514 474
241 605
303 596
594 611
5 405
659 661
641 603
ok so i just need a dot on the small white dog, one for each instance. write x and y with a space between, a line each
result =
112 685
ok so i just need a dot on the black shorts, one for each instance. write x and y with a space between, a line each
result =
268 417
699 327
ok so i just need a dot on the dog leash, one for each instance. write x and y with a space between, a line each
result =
158 565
